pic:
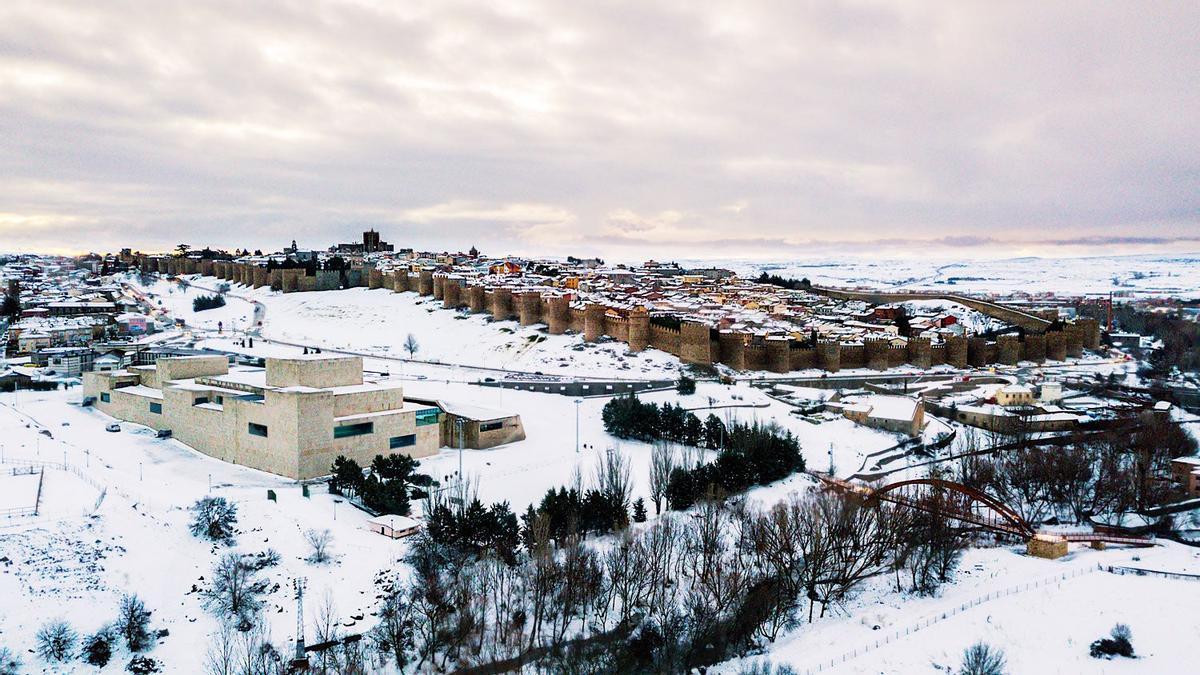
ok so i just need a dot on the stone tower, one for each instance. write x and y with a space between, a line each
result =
695 343
593 321
779 353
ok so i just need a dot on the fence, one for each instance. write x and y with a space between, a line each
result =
1142 572
18 511
942 616
28 466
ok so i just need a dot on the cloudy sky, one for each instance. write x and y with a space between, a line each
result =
672 129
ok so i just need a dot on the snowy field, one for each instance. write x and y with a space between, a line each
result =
76 559
377 322
1043 623
1140 275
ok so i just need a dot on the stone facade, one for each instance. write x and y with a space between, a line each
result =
291 419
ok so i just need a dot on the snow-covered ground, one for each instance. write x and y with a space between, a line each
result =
1161 275
66 564
378 321
1042 622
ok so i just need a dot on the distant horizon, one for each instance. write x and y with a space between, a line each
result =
759 260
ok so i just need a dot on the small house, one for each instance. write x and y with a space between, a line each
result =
394 526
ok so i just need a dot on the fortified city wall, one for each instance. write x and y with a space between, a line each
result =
693 342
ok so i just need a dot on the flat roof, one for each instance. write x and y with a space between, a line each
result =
143 391
395 522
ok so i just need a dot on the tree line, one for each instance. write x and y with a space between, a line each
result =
678 594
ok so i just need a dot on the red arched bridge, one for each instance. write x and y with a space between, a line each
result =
964 504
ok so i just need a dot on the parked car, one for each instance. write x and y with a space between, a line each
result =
113 427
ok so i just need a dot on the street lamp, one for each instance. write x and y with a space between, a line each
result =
577 402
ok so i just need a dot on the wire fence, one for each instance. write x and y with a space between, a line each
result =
1142 572
946 614
29 466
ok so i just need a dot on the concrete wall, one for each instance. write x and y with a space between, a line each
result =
314 371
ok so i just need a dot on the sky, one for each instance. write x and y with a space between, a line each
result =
621 129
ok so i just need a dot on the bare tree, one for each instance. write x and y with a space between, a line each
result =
242 652
662 463
327 631
10 663
236 591
392 635
613 476
133 623
56 641
318 543
221 655
411 345
982 659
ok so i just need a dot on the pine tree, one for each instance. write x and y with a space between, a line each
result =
639 510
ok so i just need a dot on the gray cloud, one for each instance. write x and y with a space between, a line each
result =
665 128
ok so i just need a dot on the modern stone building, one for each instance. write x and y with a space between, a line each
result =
292 417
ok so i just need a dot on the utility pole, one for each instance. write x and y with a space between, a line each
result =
298 586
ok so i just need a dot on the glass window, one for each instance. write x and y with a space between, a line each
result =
428 416
354 429
402 441
491 426
257 429
156 408
105 397
199 400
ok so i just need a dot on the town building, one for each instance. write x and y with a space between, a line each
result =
1014 395
899 414
1186 471
394 526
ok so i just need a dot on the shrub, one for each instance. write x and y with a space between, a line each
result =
686 385
56 641
204 302
982 659
97 648
214 518
1119 643
141 665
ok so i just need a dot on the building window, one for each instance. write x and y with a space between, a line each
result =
490 426
402 441
156 408
429 416
220 400
105 397
199 400
257 429
354 429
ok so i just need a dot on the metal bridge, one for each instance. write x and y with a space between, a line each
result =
966 505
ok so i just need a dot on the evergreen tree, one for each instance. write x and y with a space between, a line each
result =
639 510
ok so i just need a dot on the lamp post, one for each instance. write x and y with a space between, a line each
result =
577 402
458 425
